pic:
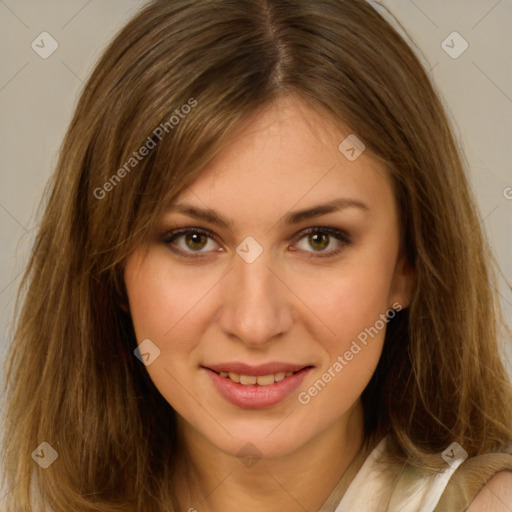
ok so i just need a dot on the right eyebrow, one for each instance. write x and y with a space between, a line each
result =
206 214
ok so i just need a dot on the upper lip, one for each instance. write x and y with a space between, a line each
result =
255 370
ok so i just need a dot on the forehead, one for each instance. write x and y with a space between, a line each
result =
287 155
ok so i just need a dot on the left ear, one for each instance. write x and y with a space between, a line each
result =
403 282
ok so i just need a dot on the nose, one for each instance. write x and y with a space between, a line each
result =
256 306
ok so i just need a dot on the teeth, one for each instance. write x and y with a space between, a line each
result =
248 379
261 380
265 380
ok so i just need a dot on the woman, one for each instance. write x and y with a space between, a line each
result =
260 281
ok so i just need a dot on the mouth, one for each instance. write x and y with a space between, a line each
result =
256 387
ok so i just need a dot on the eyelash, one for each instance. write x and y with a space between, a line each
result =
339 235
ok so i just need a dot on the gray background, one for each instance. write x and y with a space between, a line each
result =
37 97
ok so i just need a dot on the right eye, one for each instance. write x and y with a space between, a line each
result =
187 241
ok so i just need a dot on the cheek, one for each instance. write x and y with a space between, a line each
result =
353 311
160 309
359 332
161 298
350 303
171 307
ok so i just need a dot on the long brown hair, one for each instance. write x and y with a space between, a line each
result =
180 79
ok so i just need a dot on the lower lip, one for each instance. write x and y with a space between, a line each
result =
255 396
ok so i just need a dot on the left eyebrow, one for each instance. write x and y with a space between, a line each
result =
324 209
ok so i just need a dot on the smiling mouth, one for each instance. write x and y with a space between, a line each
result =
258 380
257 386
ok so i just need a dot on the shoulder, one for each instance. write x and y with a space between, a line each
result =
495 495
481 484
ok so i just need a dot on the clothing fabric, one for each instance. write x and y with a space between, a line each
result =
372 485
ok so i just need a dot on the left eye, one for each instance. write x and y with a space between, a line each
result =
319 239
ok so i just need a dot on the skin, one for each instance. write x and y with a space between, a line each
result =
290 305
495 496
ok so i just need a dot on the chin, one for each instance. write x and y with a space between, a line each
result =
261 442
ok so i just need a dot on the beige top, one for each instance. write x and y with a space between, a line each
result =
370 485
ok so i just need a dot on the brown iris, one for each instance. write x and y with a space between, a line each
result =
319 241
195 241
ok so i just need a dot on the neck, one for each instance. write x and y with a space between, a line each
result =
209 480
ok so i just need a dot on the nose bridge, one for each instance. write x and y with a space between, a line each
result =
255 306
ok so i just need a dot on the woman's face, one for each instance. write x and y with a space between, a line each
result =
289 264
